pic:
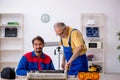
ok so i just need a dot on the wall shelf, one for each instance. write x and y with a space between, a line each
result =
93 33
11 48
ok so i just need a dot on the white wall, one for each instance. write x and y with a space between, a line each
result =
67 11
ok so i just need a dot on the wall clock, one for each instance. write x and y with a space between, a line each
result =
45 18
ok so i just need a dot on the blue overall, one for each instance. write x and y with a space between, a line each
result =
79 64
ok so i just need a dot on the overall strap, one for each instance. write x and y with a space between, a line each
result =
69 40
61 41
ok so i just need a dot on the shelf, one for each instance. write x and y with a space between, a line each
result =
8 62
10 26
93 38
95 61
10 37
84 26
10 13
92 49
11 50
93 34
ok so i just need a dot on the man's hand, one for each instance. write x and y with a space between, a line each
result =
63 65
67 66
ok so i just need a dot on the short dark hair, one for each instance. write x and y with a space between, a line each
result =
38 38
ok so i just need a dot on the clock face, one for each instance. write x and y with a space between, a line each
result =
45 18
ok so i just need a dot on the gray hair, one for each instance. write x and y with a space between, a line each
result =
60 24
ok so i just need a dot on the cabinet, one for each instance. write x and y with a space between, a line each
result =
92 28
11 39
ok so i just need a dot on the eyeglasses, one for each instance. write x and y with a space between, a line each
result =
61 32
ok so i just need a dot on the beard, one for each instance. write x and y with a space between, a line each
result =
38 50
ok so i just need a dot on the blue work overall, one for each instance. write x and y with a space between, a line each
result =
79 64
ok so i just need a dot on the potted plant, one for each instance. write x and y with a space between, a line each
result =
118 47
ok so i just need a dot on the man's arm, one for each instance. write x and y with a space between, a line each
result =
22 67
63 62
75 54
78 41
51 66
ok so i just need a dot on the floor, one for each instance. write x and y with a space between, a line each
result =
110 77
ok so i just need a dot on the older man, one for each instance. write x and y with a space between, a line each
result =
74 47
